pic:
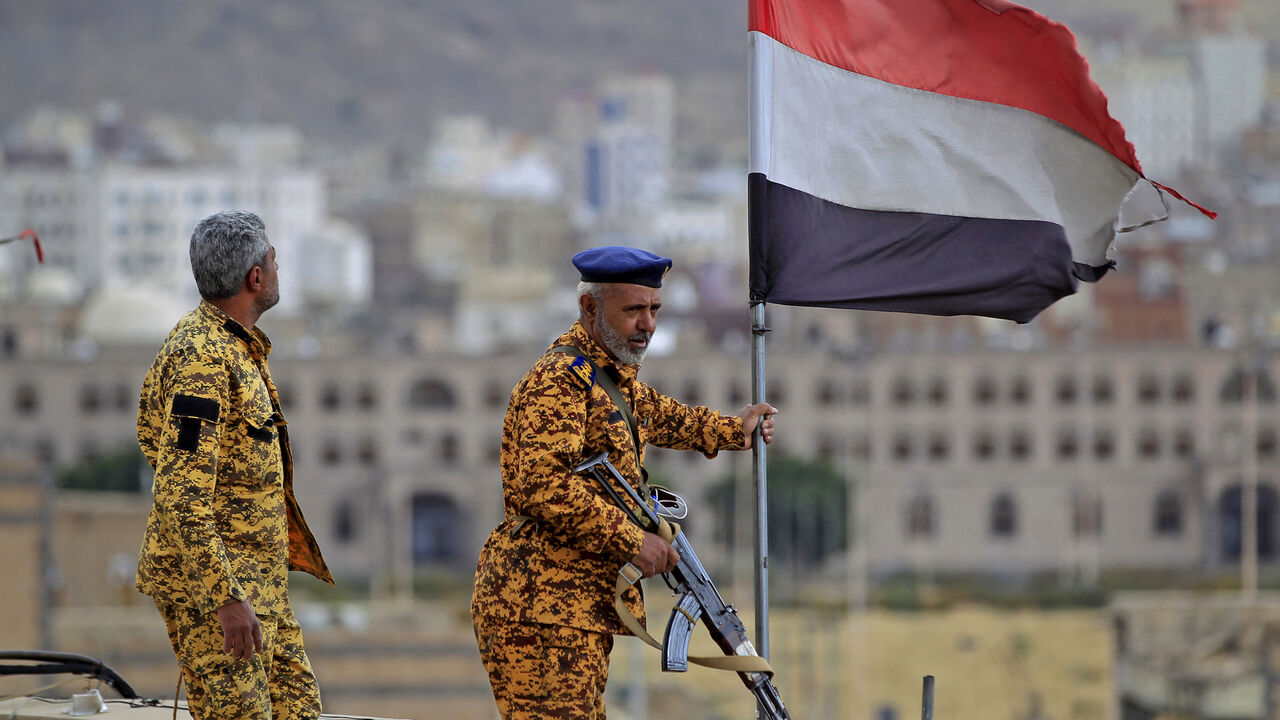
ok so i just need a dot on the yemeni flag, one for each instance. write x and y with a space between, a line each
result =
948 157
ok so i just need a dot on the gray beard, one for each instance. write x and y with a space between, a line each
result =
617 344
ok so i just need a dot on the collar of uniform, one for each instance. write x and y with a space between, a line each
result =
250 338
578 337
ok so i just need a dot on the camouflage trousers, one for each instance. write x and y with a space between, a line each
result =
275 684
545 671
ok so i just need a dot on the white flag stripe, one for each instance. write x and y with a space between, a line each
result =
865 143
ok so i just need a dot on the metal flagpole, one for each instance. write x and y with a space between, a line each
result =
759 468
760 80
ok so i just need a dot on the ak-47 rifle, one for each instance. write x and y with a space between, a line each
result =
698 600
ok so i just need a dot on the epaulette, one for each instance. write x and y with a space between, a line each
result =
582 372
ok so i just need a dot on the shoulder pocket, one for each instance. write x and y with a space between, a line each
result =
190 411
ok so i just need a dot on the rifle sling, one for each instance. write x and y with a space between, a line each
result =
629 575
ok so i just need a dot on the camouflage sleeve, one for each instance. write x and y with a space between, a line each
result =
186 475
550 428
672 424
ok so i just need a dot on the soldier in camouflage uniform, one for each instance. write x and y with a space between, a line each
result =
225 528
542 606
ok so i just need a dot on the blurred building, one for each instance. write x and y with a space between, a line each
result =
616 146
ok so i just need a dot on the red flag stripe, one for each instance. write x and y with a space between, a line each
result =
986 50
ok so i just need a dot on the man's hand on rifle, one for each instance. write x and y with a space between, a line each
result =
759 414
656 556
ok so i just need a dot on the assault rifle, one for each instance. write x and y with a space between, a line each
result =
698 600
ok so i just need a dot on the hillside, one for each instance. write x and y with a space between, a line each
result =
359 70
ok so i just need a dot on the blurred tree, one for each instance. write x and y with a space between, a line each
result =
121 470
808 510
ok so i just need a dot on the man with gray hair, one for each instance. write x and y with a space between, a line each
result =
543 601
225 528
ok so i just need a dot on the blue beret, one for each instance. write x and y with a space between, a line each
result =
616 264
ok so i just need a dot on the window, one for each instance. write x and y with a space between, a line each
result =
1020 445
903 448
1065 390
1068 444
938 392
1184 389
1234 387
939 446
1103 390
431 393
367 397
920 517
367 452
1149 444
90 399
984 446
123 397
903 393
828 448
344 522
437 529
984 391
26 400
1168 514
1184 444
737 395
1086 515
825 394
1148 390
1020 392
1004 516
331 452
495 396
1104 445
330 397
1266 443
450 451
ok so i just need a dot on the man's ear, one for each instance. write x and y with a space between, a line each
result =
253 280
587 305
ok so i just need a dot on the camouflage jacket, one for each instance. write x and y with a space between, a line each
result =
225 525
560 568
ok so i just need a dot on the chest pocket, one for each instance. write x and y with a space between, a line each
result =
253 442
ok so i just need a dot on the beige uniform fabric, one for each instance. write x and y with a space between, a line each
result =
225 525
275 684
558 570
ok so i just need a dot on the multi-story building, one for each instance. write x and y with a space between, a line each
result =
976 460
117 226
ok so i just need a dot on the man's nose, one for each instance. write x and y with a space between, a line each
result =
647 321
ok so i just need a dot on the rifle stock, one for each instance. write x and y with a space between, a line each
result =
698 599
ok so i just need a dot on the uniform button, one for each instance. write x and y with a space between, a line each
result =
263 571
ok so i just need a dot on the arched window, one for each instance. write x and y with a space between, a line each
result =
1020 445
920 517
1068 443
431 393
1086 515
437 529
1149 444
367 397
939 446
1004 516
1168 514
984 445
